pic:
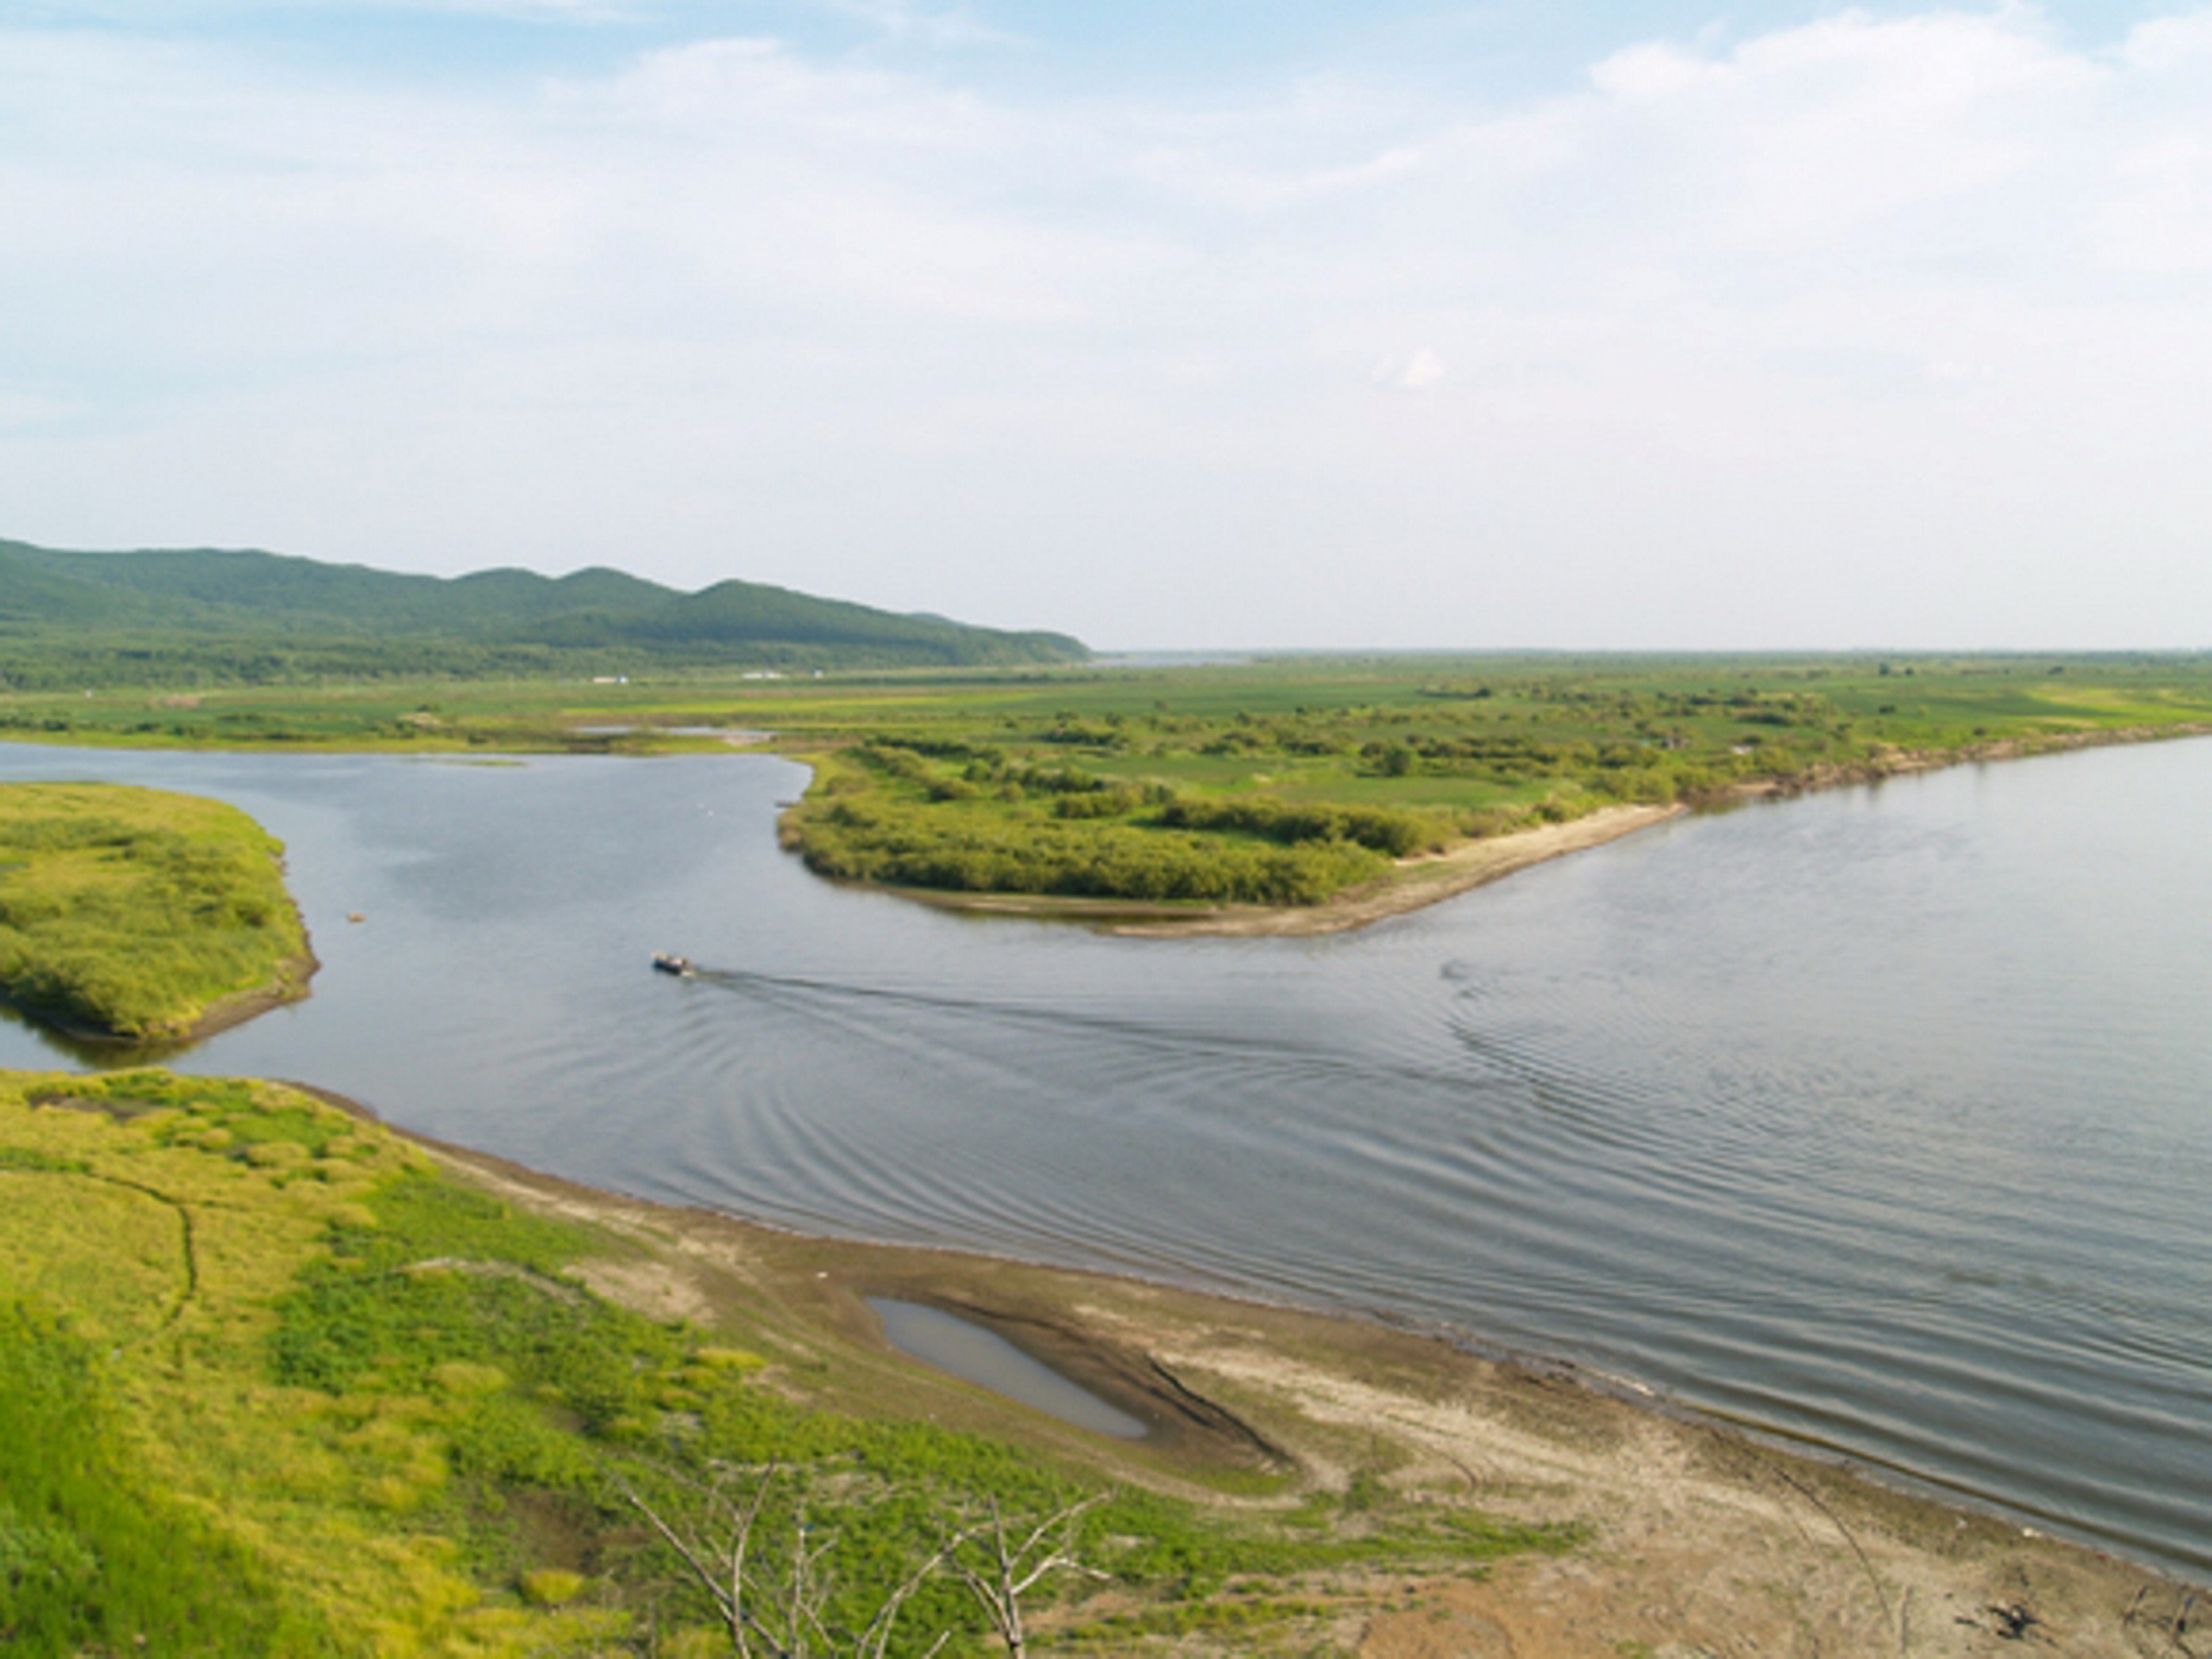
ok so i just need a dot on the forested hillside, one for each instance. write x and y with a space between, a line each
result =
186 615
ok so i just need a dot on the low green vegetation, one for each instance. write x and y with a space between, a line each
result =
128 913
1280 781
91 1554
271 1383
1286 783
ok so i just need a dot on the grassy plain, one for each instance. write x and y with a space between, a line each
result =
1281 781
136 913
1292 781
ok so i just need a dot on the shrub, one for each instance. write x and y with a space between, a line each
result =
982 853
1386 830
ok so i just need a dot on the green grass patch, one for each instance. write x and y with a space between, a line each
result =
95 1558
270 1383
1159 784
128 913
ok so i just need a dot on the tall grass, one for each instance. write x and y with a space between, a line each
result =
93 1558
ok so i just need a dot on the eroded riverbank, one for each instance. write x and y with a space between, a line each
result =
1696 1539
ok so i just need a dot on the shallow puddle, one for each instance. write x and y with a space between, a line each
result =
988 1360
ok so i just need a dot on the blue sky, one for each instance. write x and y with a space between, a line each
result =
1212 323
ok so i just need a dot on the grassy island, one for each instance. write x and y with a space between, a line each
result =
139 914
1298 782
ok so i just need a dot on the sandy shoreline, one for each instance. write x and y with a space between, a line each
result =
1413 884
1700 1540
1416 883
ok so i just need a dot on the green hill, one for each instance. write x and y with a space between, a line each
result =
157 616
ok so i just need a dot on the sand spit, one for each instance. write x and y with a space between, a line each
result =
1429 879
1416 882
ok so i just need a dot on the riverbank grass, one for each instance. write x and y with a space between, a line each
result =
1290 781
136 913
273 1381
1299 783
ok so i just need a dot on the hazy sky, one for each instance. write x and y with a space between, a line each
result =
1167 322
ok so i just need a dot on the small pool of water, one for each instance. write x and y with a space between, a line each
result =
988 1360
623 729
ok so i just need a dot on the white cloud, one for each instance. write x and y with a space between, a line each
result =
2182 42
941 27
1858 303
28 410
1804 143
178 16
1416 371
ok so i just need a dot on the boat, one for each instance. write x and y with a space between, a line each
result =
667 962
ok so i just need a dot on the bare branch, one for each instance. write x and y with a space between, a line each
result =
1012 1572
773 1598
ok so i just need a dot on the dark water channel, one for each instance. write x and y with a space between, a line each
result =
1881 1118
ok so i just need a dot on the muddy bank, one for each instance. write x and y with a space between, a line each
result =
1696 1538
291 985
100 1046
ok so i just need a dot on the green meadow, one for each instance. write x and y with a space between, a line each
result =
1278 780
129 913
271 1383
1288 782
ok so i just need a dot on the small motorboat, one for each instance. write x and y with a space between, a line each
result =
667 962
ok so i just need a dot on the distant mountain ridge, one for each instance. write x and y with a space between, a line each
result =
186 607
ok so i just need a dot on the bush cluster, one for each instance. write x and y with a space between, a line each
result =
1387 829
912 846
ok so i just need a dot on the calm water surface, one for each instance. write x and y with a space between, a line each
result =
1881 1118
967 1349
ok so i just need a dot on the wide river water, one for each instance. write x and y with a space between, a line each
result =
1881 1118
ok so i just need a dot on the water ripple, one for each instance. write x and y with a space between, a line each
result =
1875 1118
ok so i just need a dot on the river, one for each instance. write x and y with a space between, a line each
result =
1880 1118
